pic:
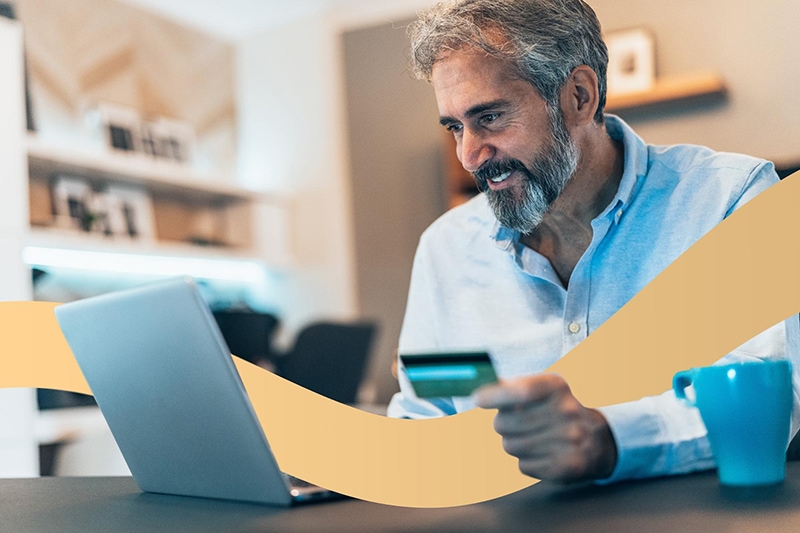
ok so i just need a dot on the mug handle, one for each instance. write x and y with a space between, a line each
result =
679 384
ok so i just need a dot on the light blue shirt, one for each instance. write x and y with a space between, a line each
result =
475 285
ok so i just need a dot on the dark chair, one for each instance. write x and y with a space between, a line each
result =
248 334
329 358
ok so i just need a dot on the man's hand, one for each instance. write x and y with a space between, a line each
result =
551 433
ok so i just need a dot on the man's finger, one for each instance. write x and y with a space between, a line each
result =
520 391
526 419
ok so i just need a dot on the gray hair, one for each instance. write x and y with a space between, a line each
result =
544 40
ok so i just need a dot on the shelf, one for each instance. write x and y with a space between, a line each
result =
670 89
158 176
187 207
72 250
95 242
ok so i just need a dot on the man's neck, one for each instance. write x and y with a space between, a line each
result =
566 231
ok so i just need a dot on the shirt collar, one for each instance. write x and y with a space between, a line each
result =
504 237
635 166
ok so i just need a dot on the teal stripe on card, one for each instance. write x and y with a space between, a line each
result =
441 372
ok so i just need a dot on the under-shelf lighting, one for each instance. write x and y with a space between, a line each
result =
156 265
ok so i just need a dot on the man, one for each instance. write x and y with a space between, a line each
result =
577 215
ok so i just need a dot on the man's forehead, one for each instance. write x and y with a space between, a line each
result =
464 78
469 60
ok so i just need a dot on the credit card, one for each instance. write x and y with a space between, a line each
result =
437 375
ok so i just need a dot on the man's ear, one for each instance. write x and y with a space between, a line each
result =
580 96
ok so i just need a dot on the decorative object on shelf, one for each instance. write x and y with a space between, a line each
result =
168 139
71 203
122 127
117 211
99 214
40 203
130 212
631 61
161 138
188 206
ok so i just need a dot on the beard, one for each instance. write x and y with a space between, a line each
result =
522 208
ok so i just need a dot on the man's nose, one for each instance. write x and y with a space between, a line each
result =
473 151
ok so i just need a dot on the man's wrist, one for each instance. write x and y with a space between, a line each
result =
605 447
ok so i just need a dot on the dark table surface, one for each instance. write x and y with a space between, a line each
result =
695 503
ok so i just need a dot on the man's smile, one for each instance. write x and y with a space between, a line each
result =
501 181
501 178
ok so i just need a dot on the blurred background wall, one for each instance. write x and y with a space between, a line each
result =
321 110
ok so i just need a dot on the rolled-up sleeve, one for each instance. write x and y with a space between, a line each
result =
662 435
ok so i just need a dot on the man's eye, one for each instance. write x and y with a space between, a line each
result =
455 128
489 118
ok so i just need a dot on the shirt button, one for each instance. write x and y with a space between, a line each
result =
619 214
574 327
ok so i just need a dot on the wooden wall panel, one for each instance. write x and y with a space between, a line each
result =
86 51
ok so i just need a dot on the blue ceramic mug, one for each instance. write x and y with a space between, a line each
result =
746 408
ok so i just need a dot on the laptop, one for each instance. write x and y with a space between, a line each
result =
167 386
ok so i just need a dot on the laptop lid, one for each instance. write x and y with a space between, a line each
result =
167 386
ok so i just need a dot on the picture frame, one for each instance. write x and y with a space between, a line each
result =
121 128
72 202
168 139
162 138
631 61
130 213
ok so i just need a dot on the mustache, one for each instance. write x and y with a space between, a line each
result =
492 169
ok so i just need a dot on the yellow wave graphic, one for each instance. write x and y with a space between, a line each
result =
734 283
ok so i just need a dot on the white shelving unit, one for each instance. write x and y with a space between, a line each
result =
187 205
201 222
133 168
241 230
18 445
